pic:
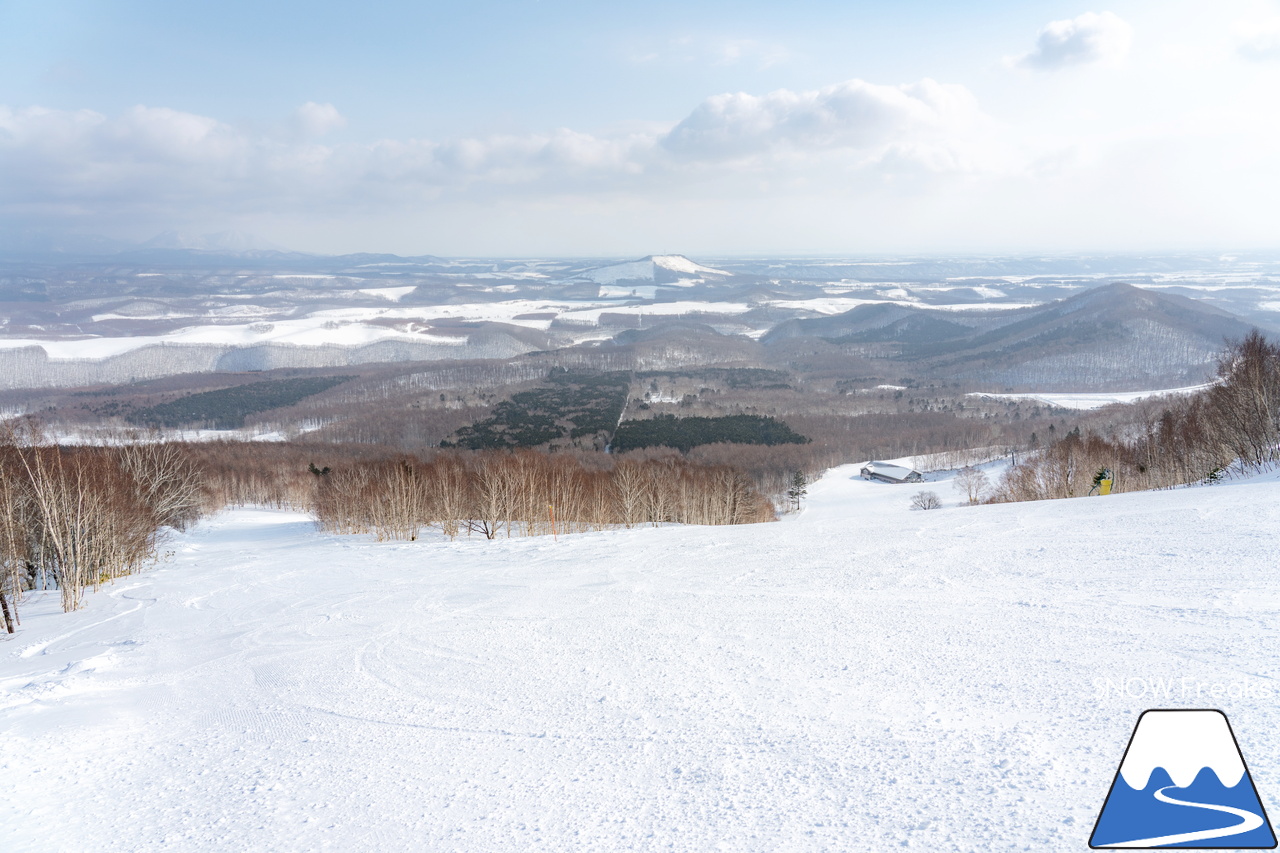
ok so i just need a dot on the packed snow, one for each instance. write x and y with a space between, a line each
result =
857 677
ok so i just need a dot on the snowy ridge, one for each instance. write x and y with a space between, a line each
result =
1183 743
651 269
679 263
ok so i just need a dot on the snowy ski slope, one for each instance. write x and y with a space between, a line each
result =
856 677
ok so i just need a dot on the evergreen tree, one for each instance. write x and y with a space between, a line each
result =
798 489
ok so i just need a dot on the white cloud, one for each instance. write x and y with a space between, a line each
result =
854 116
1260 40
80 159
920 165
312 119
156 162
1090 39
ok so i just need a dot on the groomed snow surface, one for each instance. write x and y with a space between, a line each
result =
856 677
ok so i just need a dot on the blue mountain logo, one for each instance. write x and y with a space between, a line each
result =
1183 783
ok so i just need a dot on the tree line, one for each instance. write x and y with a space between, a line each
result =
73 518
1232 425
571 408
528 493
687 433
227 408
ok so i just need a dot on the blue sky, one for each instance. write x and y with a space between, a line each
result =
587 128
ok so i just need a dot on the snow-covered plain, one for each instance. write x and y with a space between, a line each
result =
320 329
856 677
1086 400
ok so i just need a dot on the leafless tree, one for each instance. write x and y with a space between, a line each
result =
167 481
972 483
628 488
926 500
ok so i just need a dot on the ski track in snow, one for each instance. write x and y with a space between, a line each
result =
856 677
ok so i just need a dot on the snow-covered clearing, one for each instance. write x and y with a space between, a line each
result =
394 294
855 677
643 291
1094 400
678 308
318 329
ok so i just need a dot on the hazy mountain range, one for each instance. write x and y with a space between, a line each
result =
228 301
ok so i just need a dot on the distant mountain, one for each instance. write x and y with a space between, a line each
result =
655 269
993 269
372 259
872 316
1116 334
222 241
194 259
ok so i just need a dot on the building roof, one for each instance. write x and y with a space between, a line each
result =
889 471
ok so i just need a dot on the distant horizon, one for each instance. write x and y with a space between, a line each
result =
1223 253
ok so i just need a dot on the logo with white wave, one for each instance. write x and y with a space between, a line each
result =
1183 783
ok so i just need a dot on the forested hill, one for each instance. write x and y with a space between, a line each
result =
226 408
572 408
687 433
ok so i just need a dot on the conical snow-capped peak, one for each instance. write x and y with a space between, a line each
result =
656 268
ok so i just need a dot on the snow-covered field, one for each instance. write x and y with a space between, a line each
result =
1086 400
855 677
319 329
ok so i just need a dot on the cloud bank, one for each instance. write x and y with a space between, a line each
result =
854 166
1090 39
1259 41
854 116
83 165
313 120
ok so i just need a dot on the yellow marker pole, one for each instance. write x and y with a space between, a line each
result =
1104 487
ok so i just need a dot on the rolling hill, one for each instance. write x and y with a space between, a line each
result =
1114 334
